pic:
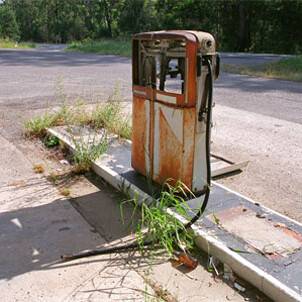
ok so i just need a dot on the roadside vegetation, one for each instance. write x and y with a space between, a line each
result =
119 47
99 122
289 69
12 44
108 117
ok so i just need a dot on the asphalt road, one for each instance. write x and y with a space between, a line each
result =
28 80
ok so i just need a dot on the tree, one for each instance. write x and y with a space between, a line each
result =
8 25
238 25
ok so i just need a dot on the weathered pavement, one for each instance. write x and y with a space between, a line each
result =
249 112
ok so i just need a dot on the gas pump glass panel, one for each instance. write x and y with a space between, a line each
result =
161 65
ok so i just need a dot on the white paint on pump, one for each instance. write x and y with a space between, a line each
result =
174 118
200 167
166 98
156 155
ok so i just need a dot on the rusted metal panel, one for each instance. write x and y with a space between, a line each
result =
140 160
188 97
179 98
188 146
142 92
169 151
166 34
191 64
173 144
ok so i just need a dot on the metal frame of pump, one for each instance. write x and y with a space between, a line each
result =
204 114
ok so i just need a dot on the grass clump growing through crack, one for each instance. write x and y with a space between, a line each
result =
157 225
39 168
52 141
110 116
88 149
38 125
65 192
54 178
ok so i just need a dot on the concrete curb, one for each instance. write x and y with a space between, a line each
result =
269 285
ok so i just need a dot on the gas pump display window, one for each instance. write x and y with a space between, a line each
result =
160 65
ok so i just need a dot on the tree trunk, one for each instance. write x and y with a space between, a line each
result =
244 29
108 19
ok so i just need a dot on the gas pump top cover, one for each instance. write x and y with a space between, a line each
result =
205 41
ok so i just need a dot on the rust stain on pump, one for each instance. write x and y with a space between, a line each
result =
169 144
138 159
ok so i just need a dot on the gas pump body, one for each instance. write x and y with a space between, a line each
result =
170 93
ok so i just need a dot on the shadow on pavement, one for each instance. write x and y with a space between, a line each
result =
51 59
253 84
33 238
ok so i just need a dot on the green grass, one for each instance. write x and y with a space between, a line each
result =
155 224
119 47
88 150
289 69
108 115
11 44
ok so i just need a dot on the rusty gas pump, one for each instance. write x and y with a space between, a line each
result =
172 78
173 74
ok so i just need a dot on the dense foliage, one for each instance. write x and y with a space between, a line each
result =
238 25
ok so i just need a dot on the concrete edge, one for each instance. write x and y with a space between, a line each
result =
269 285
243 268
63 139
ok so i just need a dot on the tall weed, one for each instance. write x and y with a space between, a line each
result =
157 225
109 115
88 149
